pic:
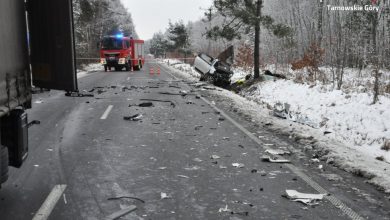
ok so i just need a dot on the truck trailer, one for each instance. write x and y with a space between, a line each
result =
37 44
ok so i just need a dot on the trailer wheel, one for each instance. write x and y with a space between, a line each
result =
105 68
3 164
140 65
127 67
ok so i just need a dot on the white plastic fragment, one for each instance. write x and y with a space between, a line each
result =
225 209
215 157
308 199
238 165
165 196
182 176
269 159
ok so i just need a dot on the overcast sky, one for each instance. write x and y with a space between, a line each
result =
150 16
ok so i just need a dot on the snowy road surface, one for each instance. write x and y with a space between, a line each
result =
180 158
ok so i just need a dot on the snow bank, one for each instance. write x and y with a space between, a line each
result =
358 129
350 117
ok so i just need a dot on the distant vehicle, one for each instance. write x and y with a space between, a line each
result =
213 70
121 52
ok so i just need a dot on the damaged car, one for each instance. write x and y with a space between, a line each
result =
213 70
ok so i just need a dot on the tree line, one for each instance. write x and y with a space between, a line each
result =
94 19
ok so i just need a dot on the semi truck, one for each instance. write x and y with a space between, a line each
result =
37 49
120 52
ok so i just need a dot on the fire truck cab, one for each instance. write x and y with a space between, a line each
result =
121 52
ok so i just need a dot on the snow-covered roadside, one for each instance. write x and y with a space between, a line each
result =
86 69
349 118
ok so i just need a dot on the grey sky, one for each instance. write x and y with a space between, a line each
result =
150 16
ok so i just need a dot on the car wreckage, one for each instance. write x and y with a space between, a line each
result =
215 70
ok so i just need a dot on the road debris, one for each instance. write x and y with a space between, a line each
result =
183 176
315 160
120 213
165 196
277 152
197 128
197 160
192 168
238 165
162 168
307 199
126 197
136 117
225 209
146 104
215 157
222 167
158 100
274 160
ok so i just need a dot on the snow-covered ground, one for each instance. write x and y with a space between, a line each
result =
358 128
86 69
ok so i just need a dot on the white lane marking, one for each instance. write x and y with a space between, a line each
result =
50 202
128 78
107 112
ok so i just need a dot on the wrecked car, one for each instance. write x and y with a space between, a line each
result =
213 70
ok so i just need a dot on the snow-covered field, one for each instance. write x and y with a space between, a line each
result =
358 128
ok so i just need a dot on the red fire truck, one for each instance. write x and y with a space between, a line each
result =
121 52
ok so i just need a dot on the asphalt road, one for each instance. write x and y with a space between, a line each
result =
162 162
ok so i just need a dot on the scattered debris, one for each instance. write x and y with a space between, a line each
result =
241 146
162 168
120 213
221 119
225 209
254 171
197 160
34 122
274 160
136 117
332 177
165 196
197 97
182 176
126 197
64 197
215 157
146 104
197 128
277 152
308 199
222 167
238 165
192 168
315 160
38 101
157 100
